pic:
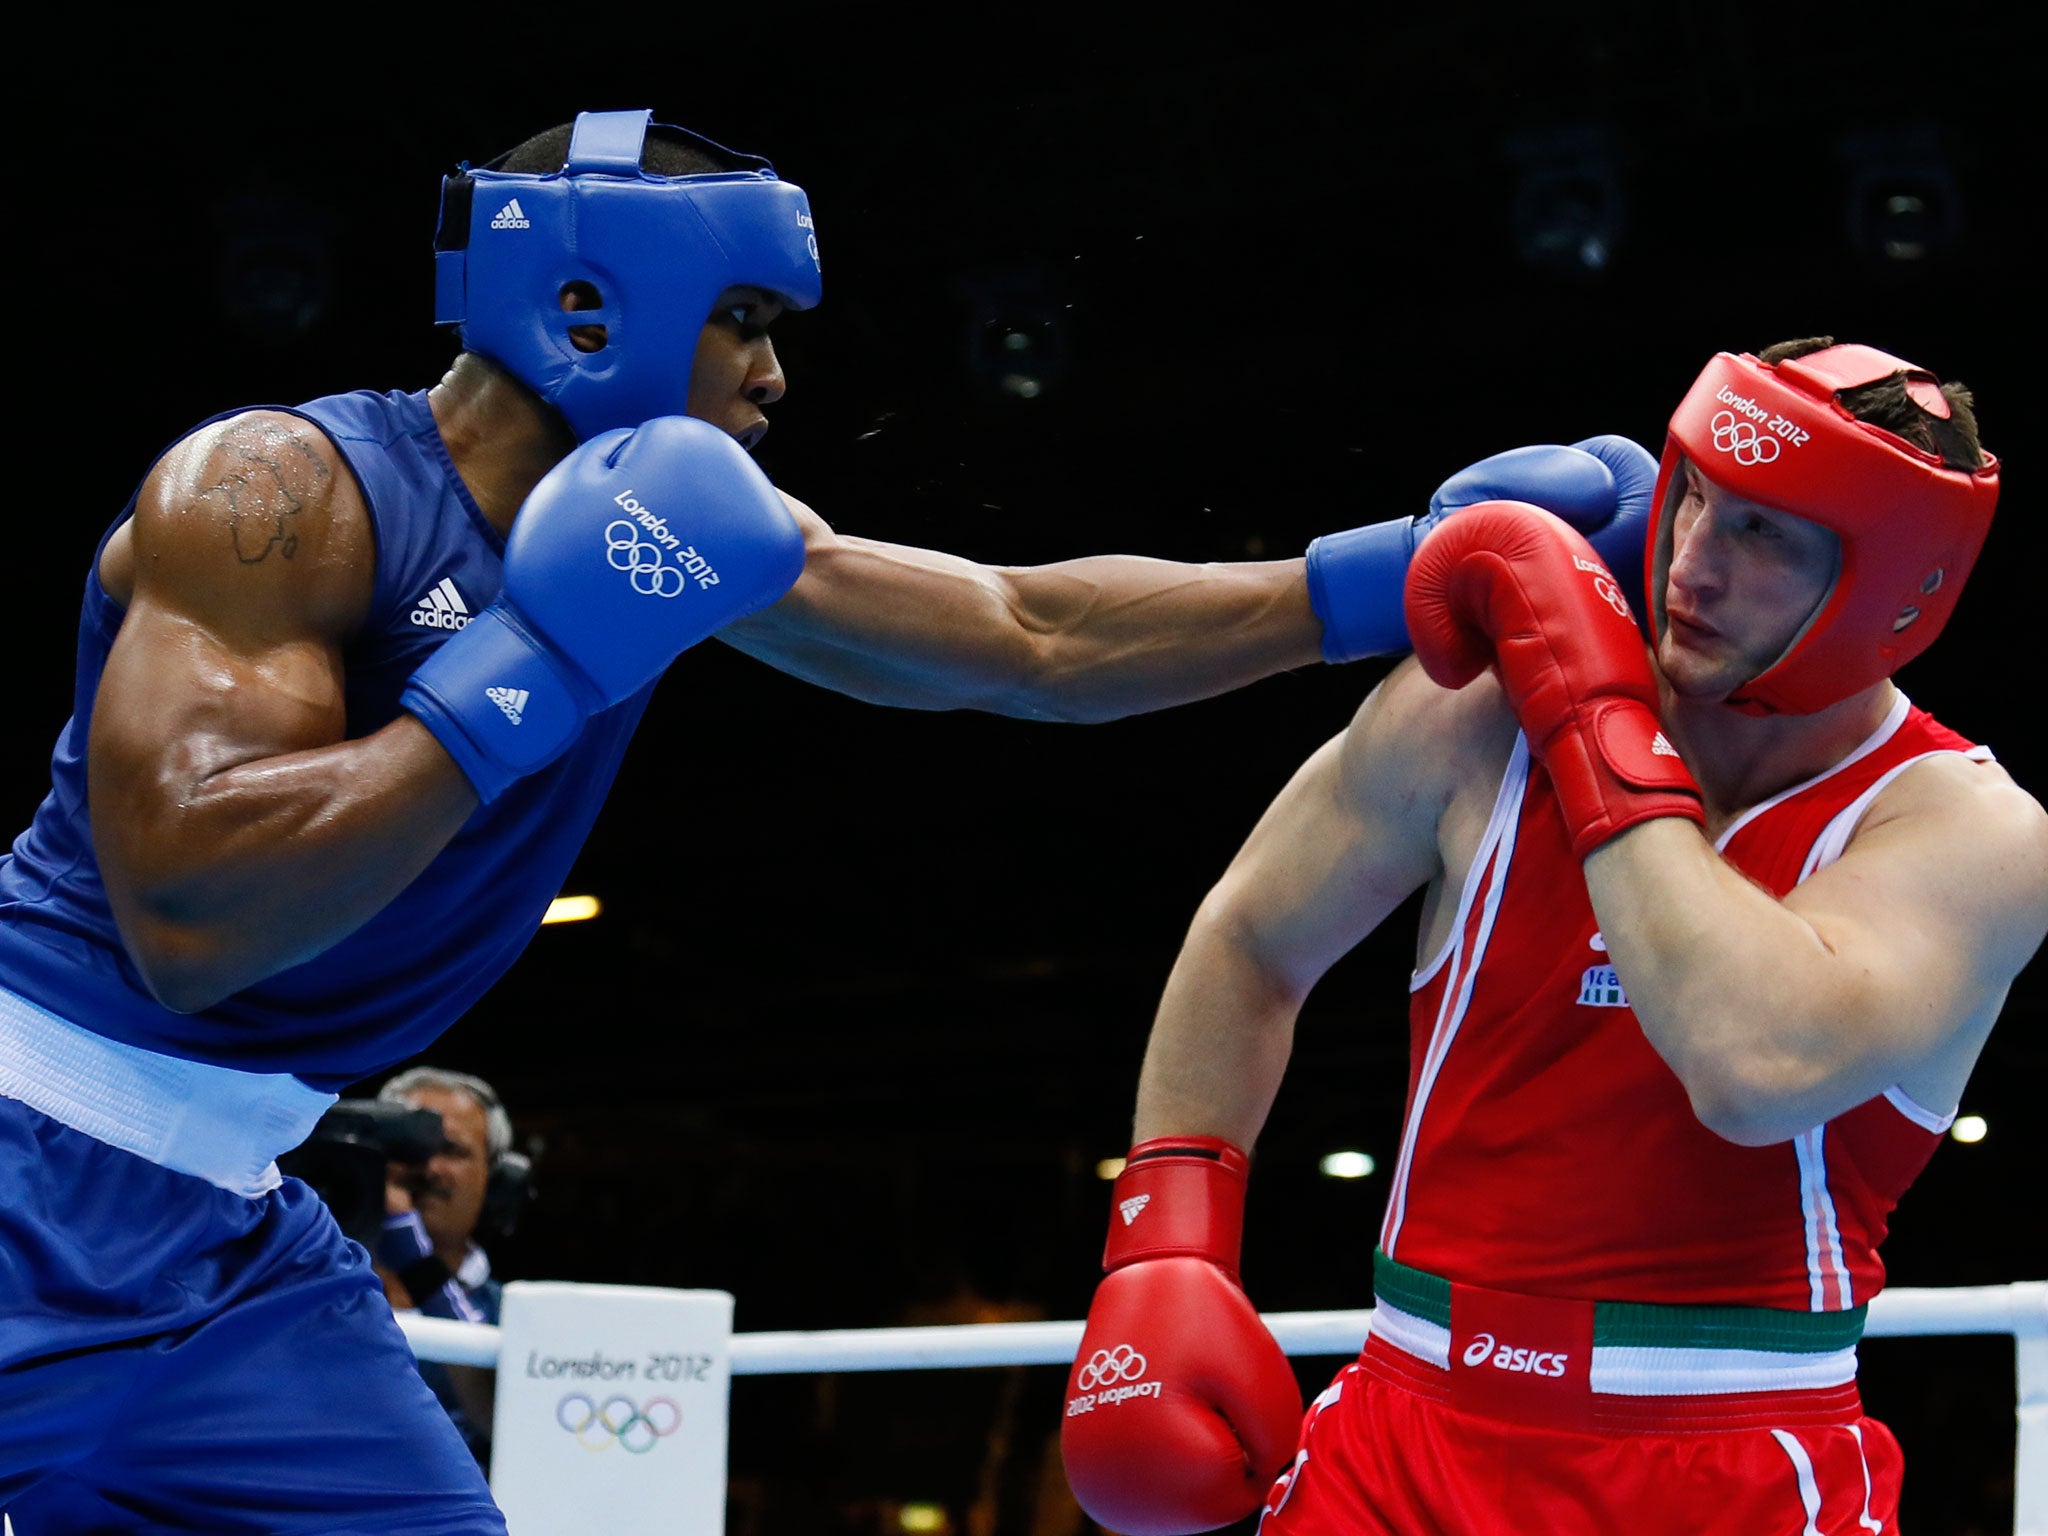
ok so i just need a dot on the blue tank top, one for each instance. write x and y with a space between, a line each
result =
391 987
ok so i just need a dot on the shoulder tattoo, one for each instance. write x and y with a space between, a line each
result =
261 492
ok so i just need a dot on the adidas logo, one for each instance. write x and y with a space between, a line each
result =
442 608
510 700
1659 747
1132 1206
512 216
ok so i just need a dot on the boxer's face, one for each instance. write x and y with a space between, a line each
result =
1744 578
735 373
449 1192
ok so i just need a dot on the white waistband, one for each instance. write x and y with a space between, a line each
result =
223 1126
1635 1371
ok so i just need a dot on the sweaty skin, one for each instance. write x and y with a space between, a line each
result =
219 775
240 833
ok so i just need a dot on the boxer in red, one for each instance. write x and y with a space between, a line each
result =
1712 939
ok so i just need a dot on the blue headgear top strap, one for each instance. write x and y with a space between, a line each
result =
608 143
657 251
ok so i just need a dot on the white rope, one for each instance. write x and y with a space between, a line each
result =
2020 1309
450 1342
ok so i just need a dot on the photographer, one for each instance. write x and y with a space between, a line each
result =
427 1254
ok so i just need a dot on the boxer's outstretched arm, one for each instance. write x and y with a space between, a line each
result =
1352 834
1082 640
1887 967
238 832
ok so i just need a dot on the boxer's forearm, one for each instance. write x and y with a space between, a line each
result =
1220 1043
1083 640
1766 1026
240 872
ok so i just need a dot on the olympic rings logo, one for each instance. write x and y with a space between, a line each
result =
1108 1366
1741 438
628 552
1612 594
618 1420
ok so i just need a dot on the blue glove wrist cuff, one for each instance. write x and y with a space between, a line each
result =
1354 585
495 698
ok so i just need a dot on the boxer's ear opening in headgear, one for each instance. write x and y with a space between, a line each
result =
579 296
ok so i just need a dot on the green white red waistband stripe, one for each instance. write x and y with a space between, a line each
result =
1643 1349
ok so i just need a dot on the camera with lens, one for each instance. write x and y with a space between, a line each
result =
346 1156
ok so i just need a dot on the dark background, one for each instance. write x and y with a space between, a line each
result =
871 987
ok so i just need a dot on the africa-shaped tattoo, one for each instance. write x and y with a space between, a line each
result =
259 496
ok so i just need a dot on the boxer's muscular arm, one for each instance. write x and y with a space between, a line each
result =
237 831
1082 640
1889 966
1353 833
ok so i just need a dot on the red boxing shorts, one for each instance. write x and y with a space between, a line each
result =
1381 1455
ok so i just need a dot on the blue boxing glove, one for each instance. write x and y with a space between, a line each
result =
636 546
1601 486
1619 539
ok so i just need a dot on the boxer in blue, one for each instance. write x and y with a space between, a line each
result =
353 680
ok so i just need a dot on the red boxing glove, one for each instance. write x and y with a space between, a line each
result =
1181 1408
1511 586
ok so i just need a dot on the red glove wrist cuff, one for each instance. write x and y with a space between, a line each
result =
1179 1196
1616 771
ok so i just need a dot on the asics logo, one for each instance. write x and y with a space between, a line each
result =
1743 440
651 575
1108 1366
1485 1349
598 1426
511 216
1132 1206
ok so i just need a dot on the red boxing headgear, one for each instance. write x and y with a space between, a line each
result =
1910 527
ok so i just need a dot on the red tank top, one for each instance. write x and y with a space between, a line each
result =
1548 1149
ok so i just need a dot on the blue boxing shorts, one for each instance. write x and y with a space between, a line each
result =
179 1356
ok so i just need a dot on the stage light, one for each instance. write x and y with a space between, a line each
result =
1903 201
1109 1168
1017 324
1347 1165
1969 1128
572 909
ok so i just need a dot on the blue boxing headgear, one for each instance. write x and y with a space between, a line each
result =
658 250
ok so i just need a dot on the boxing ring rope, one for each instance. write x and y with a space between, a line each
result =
2019 1309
